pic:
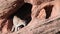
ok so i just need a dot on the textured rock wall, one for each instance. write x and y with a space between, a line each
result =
45 16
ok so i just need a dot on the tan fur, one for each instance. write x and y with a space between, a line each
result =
17 22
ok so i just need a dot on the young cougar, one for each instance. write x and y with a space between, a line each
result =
17 22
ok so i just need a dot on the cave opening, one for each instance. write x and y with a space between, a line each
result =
48 10
24 12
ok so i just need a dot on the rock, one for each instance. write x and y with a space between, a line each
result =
38 24
8 7
42 15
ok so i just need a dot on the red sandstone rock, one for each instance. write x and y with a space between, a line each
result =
42 14
8 7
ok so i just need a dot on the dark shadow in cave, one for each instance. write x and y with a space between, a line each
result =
58 32
48 10
24 12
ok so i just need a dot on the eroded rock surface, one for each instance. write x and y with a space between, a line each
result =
43 14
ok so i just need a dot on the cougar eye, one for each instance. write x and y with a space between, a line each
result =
21 26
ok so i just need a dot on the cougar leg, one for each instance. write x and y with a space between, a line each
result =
15 29
12 28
